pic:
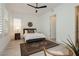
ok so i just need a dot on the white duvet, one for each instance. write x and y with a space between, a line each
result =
30 36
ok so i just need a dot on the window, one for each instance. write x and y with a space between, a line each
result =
17 25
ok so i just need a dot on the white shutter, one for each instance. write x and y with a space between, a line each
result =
1 21
0 26
5 21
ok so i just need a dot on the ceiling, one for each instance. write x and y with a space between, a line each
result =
23 8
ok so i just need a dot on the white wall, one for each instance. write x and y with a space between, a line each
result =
65 23
4 37
44 23
11 27
30 18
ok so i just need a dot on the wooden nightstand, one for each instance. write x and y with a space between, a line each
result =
17 36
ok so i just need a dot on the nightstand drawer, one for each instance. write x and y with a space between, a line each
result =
17 36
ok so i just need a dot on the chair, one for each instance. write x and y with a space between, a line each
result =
53 53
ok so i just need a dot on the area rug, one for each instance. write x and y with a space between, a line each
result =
31 48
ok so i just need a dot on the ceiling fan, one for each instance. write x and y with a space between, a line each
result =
37 7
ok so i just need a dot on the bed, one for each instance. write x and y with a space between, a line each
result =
31 35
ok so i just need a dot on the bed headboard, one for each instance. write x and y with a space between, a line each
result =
29 30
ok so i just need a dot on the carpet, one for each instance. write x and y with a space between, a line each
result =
31 48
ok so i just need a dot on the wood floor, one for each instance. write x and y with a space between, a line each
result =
13 49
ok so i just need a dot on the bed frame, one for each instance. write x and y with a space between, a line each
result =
32 30
29 30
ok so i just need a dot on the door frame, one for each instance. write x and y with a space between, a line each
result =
76 32
51 24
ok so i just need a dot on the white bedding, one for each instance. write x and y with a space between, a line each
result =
33 36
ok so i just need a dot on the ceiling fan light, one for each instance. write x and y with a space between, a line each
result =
36 11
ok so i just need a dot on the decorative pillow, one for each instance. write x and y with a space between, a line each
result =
31 31
26 32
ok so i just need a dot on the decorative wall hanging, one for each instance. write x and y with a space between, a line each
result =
30 24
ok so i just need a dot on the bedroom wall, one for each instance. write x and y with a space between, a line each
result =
30 18
65 24
11 32
4 36
44 24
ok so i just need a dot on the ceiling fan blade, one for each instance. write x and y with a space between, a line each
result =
41 7
31 5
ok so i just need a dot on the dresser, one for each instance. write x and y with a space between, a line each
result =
17 36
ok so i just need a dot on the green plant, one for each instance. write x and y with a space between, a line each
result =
71 46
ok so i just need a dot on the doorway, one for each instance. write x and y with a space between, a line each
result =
77 26
53 28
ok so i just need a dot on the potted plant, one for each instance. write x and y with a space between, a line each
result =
72 47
